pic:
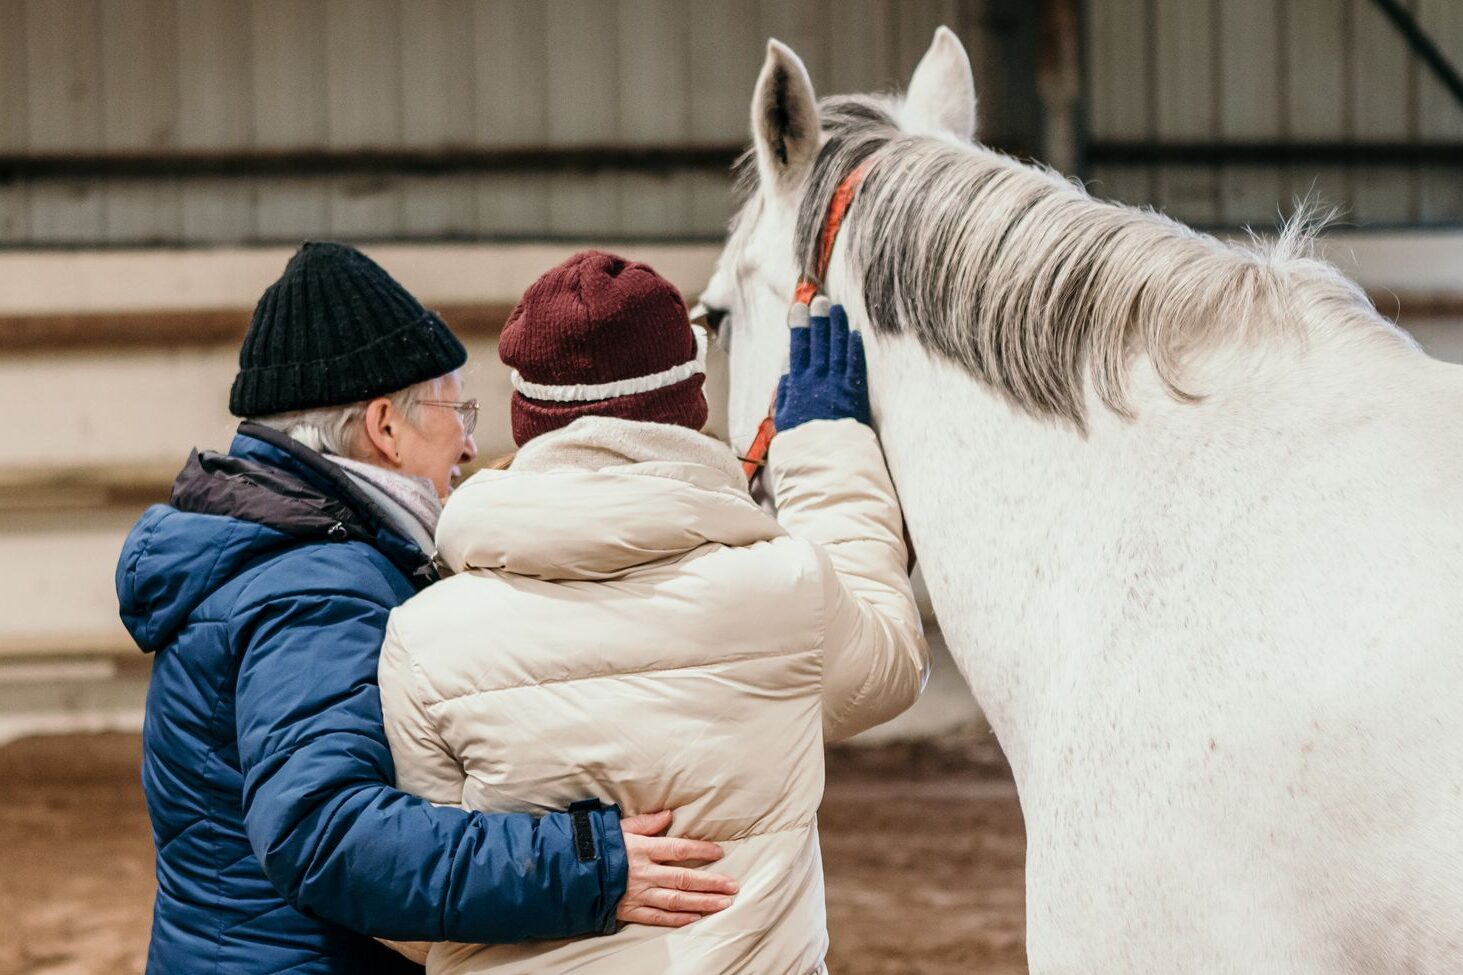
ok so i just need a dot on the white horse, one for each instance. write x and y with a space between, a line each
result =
1191 514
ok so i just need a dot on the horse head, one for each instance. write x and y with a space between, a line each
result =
780 182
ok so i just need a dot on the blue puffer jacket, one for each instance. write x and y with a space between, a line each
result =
263 589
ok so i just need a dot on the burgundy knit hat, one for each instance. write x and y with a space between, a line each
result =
602 336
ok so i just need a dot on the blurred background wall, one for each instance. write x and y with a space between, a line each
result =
142 122
160 158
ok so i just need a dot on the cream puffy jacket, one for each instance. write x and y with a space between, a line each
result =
626 623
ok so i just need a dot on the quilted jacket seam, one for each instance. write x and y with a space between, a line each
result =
142 547
626 672
212 821
243 605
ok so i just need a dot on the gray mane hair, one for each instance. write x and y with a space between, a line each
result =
1030 284
336 429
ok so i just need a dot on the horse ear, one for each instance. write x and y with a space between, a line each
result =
785 127
941 96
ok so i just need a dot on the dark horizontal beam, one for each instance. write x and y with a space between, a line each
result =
446 160
1114 152
33 167
433 161
168 329
27 492
114 331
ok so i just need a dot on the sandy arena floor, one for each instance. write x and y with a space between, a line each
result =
923 850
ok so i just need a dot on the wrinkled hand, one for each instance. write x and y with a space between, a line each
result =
826 377
669 896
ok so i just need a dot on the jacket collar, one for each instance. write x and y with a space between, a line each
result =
365 519
600 498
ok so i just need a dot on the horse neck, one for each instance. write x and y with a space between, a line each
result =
990 500
1030 529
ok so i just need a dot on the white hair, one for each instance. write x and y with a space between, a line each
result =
337 429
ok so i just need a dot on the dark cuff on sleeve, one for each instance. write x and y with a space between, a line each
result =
614 868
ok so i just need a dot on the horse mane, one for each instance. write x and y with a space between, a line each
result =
1032 285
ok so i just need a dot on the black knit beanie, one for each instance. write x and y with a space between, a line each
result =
336 329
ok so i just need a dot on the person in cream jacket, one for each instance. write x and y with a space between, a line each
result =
624 621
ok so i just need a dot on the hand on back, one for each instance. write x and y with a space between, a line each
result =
660 892
827 378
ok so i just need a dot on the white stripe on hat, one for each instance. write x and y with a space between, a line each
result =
589 392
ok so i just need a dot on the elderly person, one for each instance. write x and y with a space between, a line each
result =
626 622
263 591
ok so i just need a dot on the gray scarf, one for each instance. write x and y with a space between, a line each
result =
410 502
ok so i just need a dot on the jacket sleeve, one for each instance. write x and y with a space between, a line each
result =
332 833
832 489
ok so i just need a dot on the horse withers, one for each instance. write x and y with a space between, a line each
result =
1191 513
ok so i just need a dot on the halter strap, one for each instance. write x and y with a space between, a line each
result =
807 289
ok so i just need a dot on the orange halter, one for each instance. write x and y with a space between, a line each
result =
807 288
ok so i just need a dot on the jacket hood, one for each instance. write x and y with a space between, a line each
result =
228 510
173 560
598 499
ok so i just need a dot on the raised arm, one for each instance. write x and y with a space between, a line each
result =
832 489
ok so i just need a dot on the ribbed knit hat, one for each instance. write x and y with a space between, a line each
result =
602 336
337 329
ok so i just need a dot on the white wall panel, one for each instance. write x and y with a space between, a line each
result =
1186 106
1440 116
14 112
139 112
512 104
1381 82
1249 109
63 110
215 111
438 99
652 43
202 76
364 99
288 81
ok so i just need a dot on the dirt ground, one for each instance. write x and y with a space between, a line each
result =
923 849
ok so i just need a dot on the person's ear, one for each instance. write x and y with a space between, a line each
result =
383 430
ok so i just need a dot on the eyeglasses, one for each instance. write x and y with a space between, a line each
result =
466 411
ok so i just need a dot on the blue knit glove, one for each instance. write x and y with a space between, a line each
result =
826 378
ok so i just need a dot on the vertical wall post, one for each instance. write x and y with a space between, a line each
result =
1059 83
